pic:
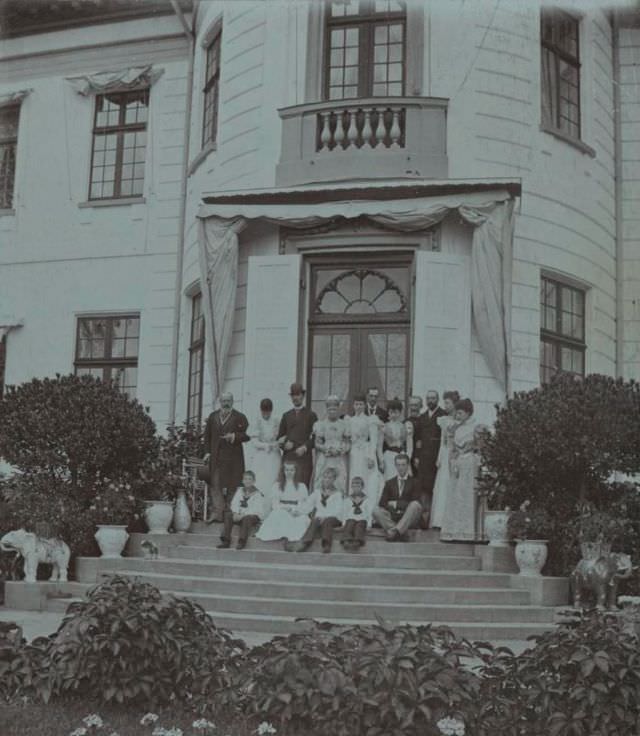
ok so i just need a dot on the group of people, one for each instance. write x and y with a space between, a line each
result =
309 476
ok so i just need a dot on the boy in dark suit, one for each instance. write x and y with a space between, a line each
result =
399 508
247 511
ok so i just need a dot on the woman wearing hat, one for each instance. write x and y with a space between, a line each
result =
459 520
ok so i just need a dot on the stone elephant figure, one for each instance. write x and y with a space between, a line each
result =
600 576
35 550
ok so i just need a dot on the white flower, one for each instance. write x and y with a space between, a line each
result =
450 727
202 724
265 728
79 731
93 720
148 718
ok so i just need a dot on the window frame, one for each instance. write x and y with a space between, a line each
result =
107 362
553 123
196 352
557 337
7 202
366 23
212 83
120 129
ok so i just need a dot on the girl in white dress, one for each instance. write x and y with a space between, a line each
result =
363 463
447 425
395 439
288 517
266 452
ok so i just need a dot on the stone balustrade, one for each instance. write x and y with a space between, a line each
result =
383 137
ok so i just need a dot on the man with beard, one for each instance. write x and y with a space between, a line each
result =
414 417
224 434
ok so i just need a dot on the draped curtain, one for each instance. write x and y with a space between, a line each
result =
492 224
112 81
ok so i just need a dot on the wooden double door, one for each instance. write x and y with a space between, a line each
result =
347 359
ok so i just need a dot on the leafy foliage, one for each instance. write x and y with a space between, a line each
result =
128 643
529 523
74 427
22 665
583 680
558 446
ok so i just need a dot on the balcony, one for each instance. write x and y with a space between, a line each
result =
375 138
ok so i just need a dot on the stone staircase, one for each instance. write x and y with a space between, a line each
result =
265 589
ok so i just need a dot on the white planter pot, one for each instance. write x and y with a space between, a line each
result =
111 539
158 515
495 528
531 554
181 514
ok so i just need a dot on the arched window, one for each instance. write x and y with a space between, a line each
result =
359 292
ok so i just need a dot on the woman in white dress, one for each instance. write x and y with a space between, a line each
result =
288 517
266 452
447 426
459 522
363 431
331 437
395 440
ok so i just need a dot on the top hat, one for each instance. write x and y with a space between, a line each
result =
296 389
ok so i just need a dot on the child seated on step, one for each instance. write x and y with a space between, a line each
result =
326 505
247 511
356 515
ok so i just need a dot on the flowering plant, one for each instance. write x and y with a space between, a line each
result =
114 502
527 523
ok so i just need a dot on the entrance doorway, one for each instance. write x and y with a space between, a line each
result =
359 329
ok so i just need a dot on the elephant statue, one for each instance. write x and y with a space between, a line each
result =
35 550
601 577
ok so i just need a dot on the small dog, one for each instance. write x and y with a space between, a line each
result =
150 549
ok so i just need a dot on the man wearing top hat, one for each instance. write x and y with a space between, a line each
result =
224 434
295 435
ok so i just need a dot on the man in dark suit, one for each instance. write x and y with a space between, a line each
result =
225 431
429 436
399 508
372 407
295 435
414 417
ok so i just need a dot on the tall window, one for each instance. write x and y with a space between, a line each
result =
8 143
107 347
211 90
560 82
119 145
196 362
562 335
365 49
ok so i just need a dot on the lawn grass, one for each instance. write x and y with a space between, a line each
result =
61 717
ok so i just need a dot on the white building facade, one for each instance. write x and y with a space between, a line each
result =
239 195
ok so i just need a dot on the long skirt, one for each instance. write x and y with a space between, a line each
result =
266 466
459 521
441 488
280 524
359 467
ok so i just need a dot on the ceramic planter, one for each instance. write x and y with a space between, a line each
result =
111 539
181 514
158 515
495 528
531 554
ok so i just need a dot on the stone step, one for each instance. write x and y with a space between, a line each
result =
475 631
189 584
397 611
335 559
233 564
415 535
376 544
269 624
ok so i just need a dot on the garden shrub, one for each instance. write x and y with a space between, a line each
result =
67 438
366 680
23 667
127 643
559 445
579 679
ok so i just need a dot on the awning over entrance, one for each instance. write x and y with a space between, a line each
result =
486 205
